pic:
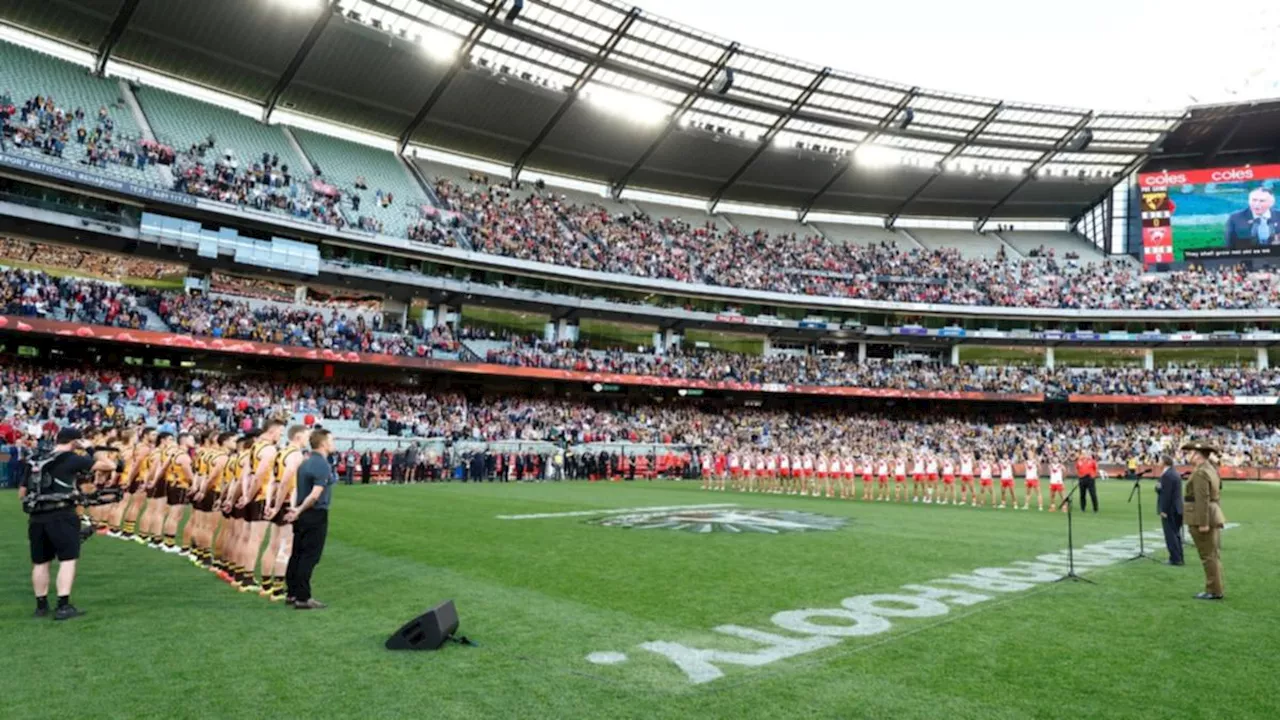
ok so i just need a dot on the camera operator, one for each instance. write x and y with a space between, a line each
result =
53 526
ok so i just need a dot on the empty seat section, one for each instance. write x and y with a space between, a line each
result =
863 235
182 122
971 245
342 162
1060 242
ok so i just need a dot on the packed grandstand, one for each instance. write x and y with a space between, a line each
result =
132 133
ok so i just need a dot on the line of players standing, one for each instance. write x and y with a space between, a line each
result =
234 491
933 479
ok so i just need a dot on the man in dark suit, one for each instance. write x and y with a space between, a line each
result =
1169 504
1255 225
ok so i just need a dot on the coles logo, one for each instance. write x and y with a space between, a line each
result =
1232 174
1164 179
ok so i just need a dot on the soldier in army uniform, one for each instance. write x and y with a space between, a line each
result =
1203 516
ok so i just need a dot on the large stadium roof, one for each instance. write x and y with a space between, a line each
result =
601 90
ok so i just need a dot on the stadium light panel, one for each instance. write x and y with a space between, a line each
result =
624 104
299 5
440 45
876 156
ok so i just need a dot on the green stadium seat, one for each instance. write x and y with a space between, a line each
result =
182 122
25 73
341 162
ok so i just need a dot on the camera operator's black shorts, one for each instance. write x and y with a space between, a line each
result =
255 511
159 491
176 495
54 534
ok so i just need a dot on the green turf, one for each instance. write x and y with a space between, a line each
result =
163 639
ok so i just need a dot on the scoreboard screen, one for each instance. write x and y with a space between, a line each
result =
1216 213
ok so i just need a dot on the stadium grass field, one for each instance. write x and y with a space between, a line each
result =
164 639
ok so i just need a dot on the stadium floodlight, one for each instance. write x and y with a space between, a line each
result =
876 156
300 5
624 104
439 45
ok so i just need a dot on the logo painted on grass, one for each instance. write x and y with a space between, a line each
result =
812 629
734 520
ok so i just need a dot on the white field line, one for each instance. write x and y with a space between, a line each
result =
616 511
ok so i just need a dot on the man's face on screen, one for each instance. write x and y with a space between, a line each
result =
1261 201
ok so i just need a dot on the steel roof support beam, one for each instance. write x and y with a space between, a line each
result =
575 91
464 56
703 85
767 139
1043 160
843 167
533 37
1226 140
112 37
286 77
956 152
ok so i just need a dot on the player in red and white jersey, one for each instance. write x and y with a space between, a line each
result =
810 486
966 480
948 482
797 474
882 479
821 476
722 469
985 484
708 467
868 475
735 470
1006 483
900 478
761 477
784 472
1057 489
1032 471
850 489
931 477
917 479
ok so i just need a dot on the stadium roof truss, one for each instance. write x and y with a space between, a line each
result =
456 74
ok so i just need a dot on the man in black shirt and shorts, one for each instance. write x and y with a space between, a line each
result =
53 528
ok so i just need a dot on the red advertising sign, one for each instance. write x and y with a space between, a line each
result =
1165 179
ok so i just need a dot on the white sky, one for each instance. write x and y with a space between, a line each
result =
1104 54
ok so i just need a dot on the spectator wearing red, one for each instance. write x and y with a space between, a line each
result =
1087 471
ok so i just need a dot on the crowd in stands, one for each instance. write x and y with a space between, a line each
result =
29 293
38 400
242 286
265 184
35 294
544 227
40 124
833 370
88 262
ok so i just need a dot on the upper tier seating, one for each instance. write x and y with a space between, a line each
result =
1060 242
971 245
183 122
27 74
343 163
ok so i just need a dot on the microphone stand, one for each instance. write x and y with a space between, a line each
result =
1071 553
1137 490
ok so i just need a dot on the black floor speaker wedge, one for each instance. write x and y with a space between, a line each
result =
428 631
